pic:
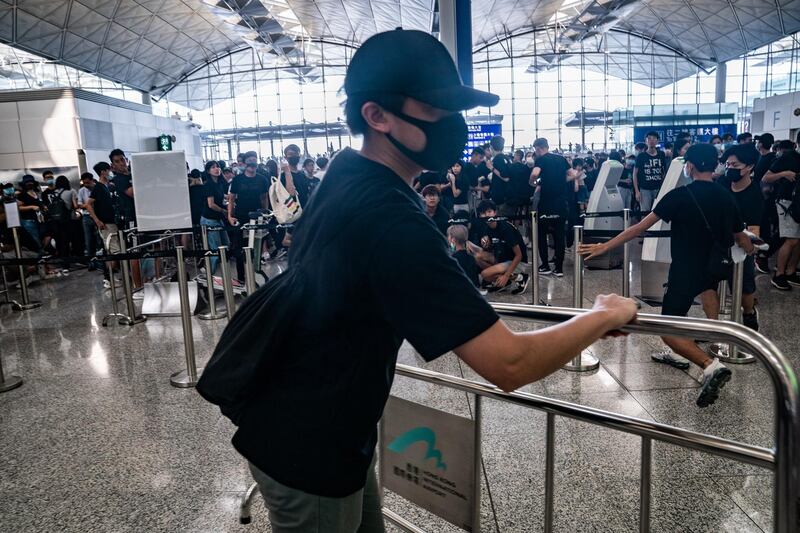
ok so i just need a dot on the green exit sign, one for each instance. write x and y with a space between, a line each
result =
164 143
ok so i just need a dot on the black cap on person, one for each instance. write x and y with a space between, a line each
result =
412 63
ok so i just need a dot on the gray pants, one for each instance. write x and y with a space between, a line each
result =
648 198
294 511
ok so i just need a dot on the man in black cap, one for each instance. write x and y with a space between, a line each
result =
376 271
700 214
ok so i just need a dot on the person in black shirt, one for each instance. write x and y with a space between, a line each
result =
292 177
309 428
700 214
741 161
649 172
499 176
31 210
123 185
769 213
459 185
100 206
550 173
213 215
783 176
457 238
434 209
248 194
500 251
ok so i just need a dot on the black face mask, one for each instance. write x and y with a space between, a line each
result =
293 160
444 141
733 174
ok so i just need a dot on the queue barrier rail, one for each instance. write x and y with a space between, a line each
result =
782 459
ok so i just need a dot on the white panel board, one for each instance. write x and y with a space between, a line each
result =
10 140
125 137
161 191
144 120
49 134
52 159
47 108
93 110
12 161
8 111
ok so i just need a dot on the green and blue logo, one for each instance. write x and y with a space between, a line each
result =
420 434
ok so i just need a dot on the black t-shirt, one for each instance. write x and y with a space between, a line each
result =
27 200
216 190
591 178
519 187
248 193
470 172
626 175
787 161
651 170
313 424
301 183
441 218
690 241
197 199
504 237
463 182
125 203
553 183
103 205
764 162
750 203
468 265
498 189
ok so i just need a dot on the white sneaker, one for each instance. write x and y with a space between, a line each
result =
715 376
107 284
672 359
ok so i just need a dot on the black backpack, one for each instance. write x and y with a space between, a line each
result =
251 343
58 210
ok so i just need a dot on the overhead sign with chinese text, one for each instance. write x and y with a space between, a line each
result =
480 134
427 457
699 132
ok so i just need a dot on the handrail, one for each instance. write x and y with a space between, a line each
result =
784 380
782 458
755 455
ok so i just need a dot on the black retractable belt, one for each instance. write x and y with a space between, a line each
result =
614 233
105 258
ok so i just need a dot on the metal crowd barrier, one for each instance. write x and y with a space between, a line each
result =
782 459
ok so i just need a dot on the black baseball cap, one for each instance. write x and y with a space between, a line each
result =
765 138
415 64
703 156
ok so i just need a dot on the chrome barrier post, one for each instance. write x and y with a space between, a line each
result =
584 361
8 383
185 378
549 471
212 302
626 256
23 284
8 301
476 467
536 298
115 314
730 353
722 290
132 317
227 283
249 271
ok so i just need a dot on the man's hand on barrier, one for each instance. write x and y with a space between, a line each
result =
620 311
588 251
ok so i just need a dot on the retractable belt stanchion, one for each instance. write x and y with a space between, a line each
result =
227 283
212 302
626 256
722 290
23 285
535 259
185 378
728 352
249 271
115 314
584 361
8 301
132 317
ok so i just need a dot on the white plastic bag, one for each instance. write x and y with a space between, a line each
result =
285 207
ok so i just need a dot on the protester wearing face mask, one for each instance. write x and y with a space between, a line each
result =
739 166
457 236
701 213
337 354
293 177
31 210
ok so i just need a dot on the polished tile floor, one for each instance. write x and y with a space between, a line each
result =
97 440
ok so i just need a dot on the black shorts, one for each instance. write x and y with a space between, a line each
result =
679 297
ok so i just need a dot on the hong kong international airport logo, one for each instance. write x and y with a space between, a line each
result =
419 434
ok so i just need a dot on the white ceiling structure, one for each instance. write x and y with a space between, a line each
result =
153 45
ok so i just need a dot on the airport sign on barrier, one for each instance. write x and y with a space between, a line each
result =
428 458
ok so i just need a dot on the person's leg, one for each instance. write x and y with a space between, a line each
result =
371 512
559 243
236 250
784 254
794 258
710 301
494 271
294 511
542 228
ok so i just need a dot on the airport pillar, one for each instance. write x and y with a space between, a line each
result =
455 32
722 78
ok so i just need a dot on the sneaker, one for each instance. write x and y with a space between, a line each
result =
751 319
544 269
715 376
107 284
671 359
557 272
793 279
781 283
762 265
522 284
236 283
